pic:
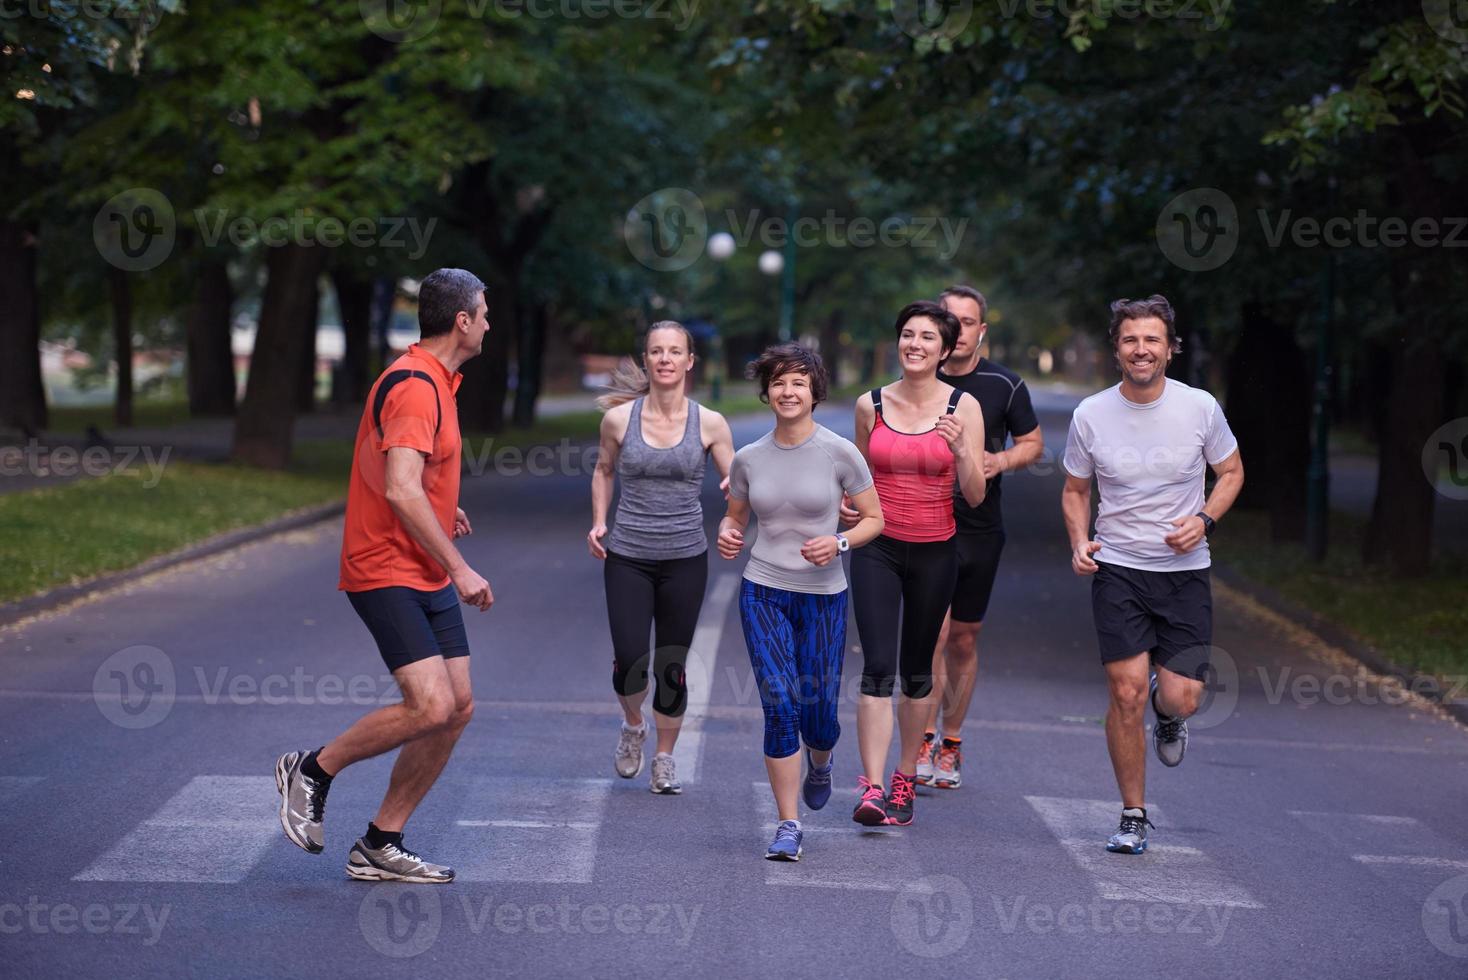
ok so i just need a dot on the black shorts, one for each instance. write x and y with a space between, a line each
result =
411 625
978 564
1167 614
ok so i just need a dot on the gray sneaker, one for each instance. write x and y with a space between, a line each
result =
302 803
1169 735
628 759
1131 836
393 863
664 776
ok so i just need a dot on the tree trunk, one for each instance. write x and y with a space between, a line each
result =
120 290
531 360
210 366
263 429
354 301
310 312
482 395
22 393
831 346
1400 533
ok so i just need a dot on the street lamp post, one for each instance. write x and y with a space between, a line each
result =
720 249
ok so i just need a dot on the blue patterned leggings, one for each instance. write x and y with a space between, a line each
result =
797 642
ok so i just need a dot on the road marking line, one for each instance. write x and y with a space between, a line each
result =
534 844
1378 818
214 830
853 858
1176 873
703 655
1411 860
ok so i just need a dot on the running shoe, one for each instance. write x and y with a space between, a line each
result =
925 762
946 765
394 863
1169 735
302 803
899 800
817 788
871 809
664 779
1131 837
628 759
786 845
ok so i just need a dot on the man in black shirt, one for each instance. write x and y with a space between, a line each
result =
980 537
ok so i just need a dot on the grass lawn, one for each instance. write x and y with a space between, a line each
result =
1418 624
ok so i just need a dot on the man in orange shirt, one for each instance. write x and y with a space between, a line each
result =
405 579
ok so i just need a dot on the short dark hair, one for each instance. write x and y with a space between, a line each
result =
948 326
1156 306
784 358
968 292
442 296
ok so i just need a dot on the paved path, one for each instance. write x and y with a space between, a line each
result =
1305 835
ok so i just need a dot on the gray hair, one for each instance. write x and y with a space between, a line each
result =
444 294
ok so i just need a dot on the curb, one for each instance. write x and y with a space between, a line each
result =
12 612
1423 685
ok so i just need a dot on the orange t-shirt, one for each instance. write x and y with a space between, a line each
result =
411 405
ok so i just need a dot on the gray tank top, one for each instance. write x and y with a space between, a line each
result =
659 515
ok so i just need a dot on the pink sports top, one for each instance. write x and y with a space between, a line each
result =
914 474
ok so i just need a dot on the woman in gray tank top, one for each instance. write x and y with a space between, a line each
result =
653 442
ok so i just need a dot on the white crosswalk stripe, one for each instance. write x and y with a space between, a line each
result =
215 829
838 852
1173 871
1388 844
528 829
703 657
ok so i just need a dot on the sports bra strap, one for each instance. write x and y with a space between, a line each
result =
953 401
877 401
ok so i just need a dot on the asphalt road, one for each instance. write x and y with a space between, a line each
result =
1313 830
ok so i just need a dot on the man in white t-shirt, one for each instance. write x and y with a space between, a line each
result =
1148 442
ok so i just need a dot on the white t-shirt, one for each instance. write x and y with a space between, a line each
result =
1149 463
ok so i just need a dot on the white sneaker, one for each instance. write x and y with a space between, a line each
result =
664 776
628 758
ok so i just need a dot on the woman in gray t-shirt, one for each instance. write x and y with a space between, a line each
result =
792 602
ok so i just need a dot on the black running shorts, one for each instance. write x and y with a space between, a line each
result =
411 625
978 564
1167 614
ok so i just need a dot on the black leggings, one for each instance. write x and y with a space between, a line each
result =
917 579
640 593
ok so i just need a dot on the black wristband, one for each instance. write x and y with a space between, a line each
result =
1208 524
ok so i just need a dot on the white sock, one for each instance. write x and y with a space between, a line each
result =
640 729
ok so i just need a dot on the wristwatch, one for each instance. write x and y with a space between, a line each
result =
1207 524
842 545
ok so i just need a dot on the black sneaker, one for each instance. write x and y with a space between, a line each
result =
899 800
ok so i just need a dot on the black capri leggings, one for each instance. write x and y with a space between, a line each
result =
916 579
641 593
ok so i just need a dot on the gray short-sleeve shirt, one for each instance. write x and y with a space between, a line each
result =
795 492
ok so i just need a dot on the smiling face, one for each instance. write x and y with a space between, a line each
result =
1143 350
791 396
668 357
920 346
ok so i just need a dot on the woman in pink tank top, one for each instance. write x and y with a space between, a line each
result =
920 437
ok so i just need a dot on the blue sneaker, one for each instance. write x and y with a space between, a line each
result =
786 846
817 788
1131 836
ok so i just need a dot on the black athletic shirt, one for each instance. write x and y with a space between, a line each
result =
1007 411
